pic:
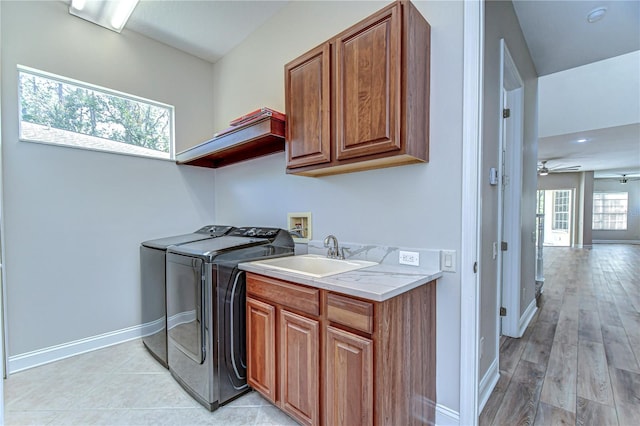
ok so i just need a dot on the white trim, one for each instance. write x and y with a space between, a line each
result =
3 322
616 241
445 416
488 383
509 199
55 353
527 316
181 318
153 327
473 39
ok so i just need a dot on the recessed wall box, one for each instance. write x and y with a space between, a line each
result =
299 226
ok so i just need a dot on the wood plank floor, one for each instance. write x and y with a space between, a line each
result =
578 362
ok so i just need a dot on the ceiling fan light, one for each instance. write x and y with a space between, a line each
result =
596 14
544 172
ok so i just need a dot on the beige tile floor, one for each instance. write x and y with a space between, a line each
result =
119 385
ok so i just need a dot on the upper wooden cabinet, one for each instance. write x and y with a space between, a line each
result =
307 100
361 100
367 87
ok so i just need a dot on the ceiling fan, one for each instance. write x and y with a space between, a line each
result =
625 179
543 170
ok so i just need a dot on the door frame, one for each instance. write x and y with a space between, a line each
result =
3 281
509 198
473 58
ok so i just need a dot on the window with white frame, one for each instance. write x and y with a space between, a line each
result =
61 111
610 211
561 201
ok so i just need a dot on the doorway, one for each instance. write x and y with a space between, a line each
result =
557 207
509 197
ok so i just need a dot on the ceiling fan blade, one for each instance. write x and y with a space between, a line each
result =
564 169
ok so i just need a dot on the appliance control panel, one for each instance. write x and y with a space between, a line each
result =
255 232
214 230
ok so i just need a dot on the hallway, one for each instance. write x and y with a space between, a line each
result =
578 362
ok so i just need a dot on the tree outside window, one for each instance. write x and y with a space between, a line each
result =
82 115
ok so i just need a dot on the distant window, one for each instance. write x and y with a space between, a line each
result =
66 112
561 210
610 210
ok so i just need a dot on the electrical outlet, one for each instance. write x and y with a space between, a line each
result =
448 260
409 258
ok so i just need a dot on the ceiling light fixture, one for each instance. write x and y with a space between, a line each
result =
110 14
596 14
581 140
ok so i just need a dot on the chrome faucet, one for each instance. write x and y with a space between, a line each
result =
333 252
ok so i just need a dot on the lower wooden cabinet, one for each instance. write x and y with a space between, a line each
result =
349 384
335 360
299 366
261 344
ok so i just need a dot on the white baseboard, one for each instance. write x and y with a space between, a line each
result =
446 416
525 319
181 318
616 241
55 353
487 384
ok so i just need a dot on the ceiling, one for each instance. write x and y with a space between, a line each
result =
560 37
557 33
610 152
207 29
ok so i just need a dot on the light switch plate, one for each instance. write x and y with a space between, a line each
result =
448 260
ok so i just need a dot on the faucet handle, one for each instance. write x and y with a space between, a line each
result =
341 255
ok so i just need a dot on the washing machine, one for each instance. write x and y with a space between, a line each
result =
206 298
153 285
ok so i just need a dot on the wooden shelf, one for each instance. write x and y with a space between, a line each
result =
260 138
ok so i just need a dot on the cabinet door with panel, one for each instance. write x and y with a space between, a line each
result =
307 97
299 367
349 379
367 86
261 347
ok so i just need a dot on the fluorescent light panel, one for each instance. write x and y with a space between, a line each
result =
110 14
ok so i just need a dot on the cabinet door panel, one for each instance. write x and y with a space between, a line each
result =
349 387
307 95
299 349
368 87
261 348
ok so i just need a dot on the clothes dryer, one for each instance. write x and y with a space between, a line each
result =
153 285
206 298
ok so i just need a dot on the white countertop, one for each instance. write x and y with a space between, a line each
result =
378 283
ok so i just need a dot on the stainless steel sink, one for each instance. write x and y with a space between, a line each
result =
313 265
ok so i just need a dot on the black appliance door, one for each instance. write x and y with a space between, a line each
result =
231 295
186 312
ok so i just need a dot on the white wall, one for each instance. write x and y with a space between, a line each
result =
610 88
632 234
502 23
74 218
413 206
